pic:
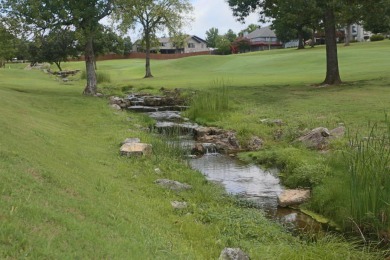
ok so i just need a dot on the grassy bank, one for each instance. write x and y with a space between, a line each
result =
66 192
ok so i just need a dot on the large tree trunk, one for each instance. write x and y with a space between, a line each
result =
348 32
313 38
91 88
148 71
332 64
58 63
301 44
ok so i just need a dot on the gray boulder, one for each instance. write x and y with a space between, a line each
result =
173 185
131 141
116 107
233 254
316 138
178 204
338 132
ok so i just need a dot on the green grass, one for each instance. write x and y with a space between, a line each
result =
369 160
66 193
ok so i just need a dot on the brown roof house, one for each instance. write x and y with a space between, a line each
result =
263 39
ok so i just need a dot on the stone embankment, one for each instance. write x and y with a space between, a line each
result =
166 110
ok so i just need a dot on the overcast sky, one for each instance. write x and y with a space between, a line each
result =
216 13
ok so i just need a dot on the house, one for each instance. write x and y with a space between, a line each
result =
263 39
166 46
358 33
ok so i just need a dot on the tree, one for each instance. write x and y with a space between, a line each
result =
378 19
211 37
250 28
127 45
179 41
55 47
326 8
47 15
230 35
7 50
223 45
153 16
241 44
105 41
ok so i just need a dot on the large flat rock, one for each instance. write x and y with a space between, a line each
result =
136 149
293 197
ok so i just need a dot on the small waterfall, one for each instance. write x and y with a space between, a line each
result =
210 149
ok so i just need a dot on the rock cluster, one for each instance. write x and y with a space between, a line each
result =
119 102
320 137
224 140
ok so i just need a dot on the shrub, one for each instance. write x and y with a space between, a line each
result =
377 37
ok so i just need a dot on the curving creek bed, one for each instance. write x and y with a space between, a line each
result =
247 181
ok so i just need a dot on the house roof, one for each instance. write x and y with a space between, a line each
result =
197 39
261 32
194 37
168 39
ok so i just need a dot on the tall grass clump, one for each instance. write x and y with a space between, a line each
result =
101 76
207 106
369 170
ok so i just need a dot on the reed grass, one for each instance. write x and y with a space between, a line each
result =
369 161
209 106
101 76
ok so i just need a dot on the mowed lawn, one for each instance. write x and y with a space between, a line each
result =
66 193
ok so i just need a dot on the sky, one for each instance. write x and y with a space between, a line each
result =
216 13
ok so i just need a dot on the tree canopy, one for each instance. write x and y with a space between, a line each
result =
211 37
55 47
7 50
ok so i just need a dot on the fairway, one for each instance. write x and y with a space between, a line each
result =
361 61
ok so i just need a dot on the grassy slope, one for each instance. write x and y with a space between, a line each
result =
65 192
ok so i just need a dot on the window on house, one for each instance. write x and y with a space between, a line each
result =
191 45
162 44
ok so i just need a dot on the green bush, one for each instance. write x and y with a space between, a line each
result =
377 37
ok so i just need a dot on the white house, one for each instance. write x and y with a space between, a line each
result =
358 33
166 46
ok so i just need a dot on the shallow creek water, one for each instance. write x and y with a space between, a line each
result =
246 181
249 182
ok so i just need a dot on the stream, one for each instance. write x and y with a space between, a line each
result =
249 182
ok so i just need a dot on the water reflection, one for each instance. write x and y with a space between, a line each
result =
260 187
